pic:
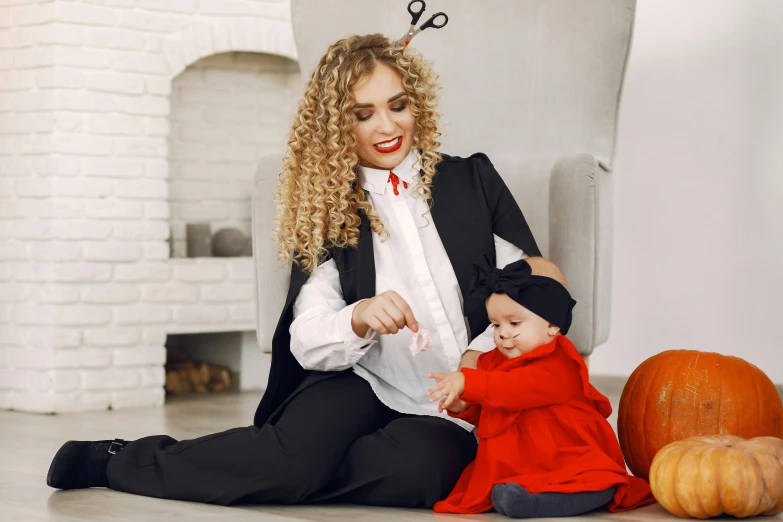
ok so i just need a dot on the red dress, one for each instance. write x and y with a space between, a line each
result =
542 425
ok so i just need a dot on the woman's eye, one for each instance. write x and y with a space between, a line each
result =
514 323
362 117
400 108
494 325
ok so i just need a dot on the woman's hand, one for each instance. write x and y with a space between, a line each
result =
386 313
448 389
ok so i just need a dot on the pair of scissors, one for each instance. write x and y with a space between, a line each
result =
415 15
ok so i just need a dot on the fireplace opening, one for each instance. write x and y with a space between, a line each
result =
227 111
214 362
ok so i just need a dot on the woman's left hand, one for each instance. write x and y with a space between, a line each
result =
449 387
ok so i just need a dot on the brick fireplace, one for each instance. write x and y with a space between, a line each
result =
107 149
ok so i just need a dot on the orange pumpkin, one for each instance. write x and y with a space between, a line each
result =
679 394
708 476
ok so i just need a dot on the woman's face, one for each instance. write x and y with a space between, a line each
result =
384 123
517 329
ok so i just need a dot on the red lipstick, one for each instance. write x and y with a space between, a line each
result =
387 150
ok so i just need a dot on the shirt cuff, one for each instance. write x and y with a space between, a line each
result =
475 385
349 337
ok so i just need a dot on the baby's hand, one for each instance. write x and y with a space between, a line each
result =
458 406
448 388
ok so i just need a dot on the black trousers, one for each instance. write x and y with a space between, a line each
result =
334 442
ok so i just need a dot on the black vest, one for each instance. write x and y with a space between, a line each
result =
470 203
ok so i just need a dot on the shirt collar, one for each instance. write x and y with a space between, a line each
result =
376 180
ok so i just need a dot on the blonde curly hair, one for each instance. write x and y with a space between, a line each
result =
318 196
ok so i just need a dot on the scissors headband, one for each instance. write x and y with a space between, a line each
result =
404 41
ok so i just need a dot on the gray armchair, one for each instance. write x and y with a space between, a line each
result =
534 84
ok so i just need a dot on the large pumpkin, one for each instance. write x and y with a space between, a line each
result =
679 394
704 477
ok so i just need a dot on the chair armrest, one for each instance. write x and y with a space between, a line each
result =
580 243
271 278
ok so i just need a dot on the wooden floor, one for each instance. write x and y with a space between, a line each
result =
30 441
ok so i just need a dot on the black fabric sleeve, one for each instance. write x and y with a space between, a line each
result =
508 221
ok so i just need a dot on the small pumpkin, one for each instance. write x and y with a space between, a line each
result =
706 476
679 394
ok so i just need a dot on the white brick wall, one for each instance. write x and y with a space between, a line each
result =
87 289
27 124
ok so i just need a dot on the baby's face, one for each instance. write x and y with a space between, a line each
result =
517 329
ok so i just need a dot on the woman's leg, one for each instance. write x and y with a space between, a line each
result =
412 462
514 501
282 462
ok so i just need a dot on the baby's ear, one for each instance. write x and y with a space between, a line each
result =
553 330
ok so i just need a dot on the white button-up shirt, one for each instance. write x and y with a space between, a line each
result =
413 263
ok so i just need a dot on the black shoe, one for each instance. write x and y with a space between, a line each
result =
82 464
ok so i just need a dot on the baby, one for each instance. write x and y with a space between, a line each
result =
545 446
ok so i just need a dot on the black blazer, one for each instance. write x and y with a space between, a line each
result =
470 203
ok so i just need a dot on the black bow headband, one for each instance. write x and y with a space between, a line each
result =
541 295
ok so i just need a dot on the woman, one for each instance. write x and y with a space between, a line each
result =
383 231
